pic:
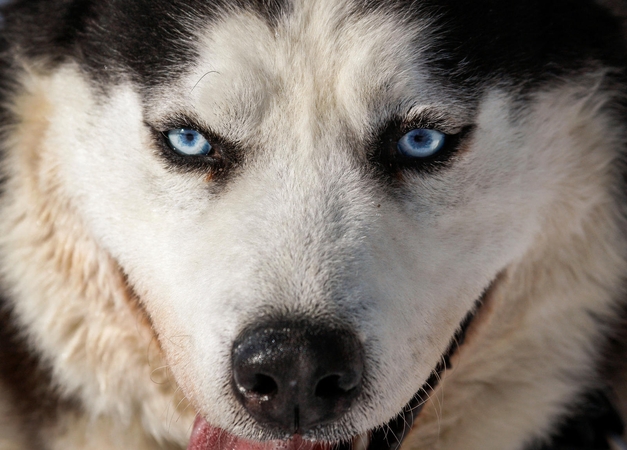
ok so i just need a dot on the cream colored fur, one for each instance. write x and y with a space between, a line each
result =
78 309
93 219
550 303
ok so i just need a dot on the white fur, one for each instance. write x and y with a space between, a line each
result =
304 229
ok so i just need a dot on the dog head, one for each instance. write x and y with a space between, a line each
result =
309 198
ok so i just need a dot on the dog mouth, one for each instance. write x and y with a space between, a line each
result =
388 436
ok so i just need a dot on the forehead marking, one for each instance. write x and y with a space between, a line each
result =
319 64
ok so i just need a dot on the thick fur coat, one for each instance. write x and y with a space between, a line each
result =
133 272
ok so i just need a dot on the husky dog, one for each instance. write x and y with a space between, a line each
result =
313 224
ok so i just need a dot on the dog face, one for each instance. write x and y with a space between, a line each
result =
307 215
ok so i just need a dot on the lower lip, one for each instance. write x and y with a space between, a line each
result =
206 437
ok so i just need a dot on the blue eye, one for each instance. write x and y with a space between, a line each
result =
188 142
421 143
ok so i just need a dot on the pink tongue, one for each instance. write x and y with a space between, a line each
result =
206 437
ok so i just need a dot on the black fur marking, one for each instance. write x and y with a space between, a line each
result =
271 10
479 42
594 419
149 40
526 42
28 382
475 42
217 166
393 164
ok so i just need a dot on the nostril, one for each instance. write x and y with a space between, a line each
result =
255 384
287 373
334 387
264 386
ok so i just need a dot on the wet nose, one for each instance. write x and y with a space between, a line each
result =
294 376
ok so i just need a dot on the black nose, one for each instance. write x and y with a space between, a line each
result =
293 377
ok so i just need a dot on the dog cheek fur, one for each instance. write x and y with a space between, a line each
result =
90 333
74 300
557 299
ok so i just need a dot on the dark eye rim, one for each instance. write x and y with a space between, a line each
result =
222 155
388 157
